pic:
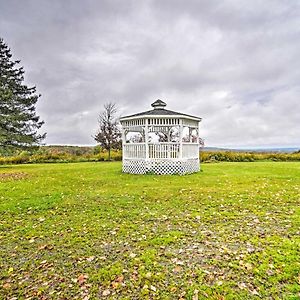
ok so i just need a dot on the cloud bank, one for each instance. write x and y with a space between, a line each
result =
234 63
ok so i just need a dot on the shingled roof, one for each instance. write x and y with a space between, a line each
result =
159 110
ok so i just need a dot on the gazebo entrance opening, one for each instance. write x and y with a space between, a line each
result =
160 141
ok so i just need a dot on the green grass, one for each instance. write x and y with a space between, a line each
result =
87 231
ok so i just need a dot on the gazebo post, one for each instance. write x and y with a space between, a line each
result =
198 136
123 135
180 137
146 140
123 143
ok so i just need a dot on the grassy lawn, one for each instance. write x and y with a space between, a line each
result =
87 231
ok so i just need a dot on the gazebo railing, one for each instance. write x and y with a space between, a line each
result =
160 150
164 150
135 150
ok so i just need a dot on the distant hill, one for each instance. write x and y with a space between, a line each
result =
74 150
275 150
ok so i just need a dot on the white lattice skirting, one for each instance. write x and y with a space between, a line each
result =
161 167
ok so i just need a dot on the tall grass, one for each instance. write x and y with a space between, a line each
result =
207 156
65 154
60 155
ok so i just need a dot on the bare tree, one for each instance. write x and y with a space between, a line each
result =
201 142
108 135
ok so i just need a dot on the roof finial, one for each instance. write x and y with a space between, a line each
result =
158 104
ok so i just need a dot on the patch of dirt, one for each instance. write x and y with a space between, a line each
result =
13 176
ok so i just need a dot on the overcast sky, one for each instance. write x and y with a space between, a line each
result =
236 64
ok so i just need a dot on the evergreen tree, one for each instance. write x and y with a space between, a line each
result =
108 135
18 120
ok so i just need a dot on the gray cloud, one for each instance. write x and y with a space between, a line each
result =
234 63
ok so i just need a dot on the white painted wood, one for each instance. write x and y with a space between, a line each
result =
146 140
180 138
160 117
160 157
161 150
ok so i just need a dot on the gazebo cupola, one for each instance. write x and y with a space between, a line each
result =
160 141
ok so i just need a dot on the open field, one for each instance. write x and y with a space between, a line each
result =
87 231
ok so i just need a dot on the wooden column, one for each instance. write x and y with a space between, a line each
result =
123 142
180 137
198 144
147 138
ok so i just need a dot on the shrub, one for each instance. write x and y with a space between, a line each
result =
208 156
67 154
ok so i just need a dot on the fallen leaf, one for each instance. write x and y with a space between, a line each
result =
6 285
153 288
91 258
242 285
42 247
115 285
255 292
270 272
106 293
120 278
195 296
82 279
177 269
132 255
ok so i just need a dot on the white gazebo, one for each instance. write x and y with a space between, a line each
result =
160 141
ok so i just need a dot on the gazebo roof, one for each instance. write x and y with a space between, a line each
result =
159 110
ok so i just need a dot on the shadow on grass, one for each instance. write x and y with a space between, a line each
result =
5 167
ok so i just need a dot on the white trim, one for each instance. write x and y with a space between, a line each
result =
160 117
